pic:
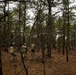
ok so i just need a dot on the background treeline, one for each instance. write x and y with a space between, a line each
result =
51 22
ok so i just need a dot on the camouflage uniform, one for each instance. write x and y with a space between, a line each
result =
12 53
24 49
32 49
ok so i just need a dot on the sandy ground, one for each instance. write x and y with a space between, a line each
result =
56 65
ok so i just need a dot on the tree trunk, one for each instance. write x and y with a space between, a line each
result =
49 27
0 63
63 32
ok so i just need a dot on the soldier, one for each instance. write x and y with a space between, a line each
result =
45 46
12 52
32 49
24 49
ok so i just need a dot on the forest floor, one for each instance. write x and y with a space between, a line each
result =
56 65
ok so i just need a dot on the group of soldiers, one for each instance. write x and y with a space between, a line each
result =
23 49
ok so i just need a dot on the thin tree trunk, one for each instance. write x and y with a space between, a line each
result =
0 63
22 60
68 33
23 63
49 30
66 19
63 33
20 25
5 31
74 37
44 68
24 30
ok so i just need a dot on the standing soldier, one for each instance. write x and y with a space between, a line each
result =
32 49
24 49
12 52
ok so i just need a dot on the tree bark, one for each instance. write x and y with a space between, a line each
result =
1 73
